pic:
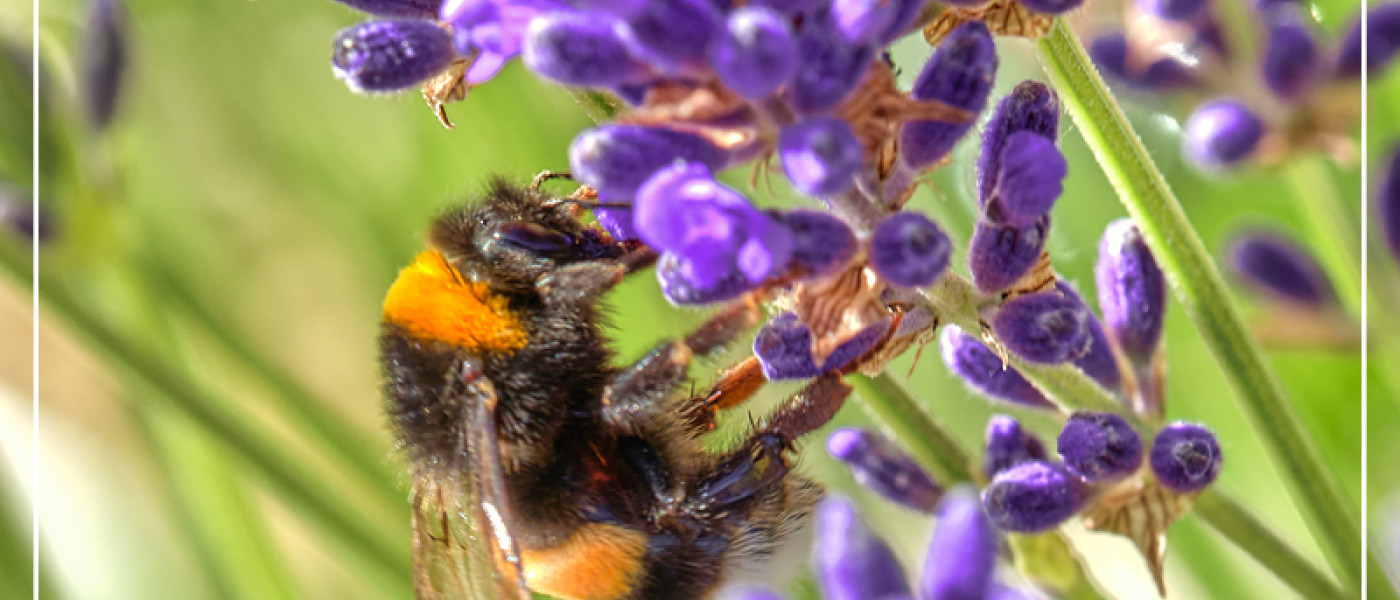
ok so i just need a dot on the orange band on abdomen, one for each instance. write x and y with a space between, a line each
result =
596 562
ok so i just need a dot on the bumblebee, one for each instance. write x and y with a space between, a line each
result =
539 466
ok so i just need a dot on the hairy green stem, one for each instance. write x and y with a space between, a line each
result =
1199 287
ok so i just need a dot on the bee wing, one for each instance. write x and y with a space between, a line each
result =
462 545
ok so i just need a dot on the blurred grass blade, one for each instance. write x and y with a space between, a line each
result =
1334 235
299 403
1201 290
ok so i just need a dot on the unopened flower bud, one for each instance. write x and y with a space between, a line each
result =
672 34
672 274
756 52
1185 457
1290 53
821 156
386 56
1221 133
983 371
1382 40
830 69
578 49
850 561
784 348
879 464
1132 291
909 250
1030 177
821 242
1000 254
1099 446
1008 445
1045 327
1098 362
963 552
104 60
1034 496
1031 106
616 159
1279 268
960 73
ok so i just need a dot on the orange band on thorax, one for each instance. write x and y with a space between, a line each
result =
431 300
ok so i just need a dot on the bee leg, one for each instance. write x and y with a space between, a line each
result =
761 460
645 387
579 285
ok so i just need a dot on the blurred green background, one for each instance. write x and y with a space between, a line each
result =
211 427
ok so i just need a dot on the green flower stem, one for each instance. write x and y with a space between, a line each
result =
1236 523
1201 291
293 482
1335 235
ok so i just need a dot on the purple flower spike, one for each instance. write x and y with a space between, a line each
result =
1281 269
1382 39
982 370
682 210
1030 178
1389 205
1185 457
1132 291
959 73
579 49
1047 327
909 250
1009 445
673 34
963 553
756 53
1031 106
1290 54
1052 7
1221 133
1000 254
850 561
830 69
820 155
1098 362
492 30
879 464
387 56
673 275
1034 496
821 243
413 9
616 159
1172 10
1099 446
104 60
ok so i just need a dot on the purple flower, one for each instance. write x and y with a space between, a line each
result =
1000 254
821 243
830 69
616 159
1034 496
1388 204
412 9
1172 10
1132 291
879 464
682 210
1098 362
784 348
959 73
1099 446
909 250
672 273
1290 54
620 223
1221 133
1008 445
1046 327
1281 269
387 56
962 554
104 60
1030 177
491 30
1185 457
756 52
672 35
1111 52
17 213
1031 106
850 561
579 49
982 370
1382 40
872 21
820 155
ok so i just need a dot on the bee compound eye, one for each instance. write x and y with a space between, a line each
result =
532 237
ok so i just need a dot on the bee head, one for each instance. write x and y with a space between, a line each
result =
516 236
